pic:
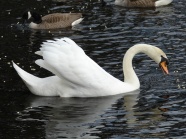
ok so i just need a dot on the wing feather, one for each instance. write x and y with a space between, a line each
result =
67 60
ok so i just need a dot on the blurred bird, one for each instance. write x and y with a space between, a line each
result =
52 21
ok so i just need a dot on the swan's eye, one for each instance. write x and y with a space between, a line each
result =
164 59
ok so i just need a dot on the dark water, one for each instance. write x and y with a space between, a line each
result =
156 111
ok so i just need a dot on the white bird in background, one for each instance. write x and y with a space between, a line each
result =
77 75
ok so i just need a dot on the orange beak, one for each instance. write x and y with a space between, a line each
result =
163 66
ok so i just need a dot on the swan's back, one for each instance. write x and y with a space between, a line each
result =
67 60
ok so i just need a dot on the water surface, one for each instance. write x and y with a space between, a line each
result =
157 110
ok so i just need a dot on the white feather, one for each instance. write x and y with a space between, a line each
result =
77 21
162 2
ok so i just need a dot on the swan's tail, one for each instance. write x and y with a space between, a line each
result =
28 78
38 86
162 2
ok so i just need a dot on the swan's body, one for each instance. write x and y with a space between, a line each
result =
52 21
76 75
141 3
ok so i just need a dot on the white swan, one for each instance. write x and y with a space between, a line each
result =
76 75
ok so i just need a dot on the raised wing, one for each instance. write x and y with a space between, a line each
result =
67 60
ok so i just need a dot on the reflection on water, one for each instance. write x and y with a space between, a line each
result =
156 111
72 117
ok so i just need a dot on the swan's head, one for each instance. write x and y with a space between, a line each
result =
160 58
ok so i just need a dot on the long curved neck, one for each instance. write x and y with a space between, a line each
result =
129 73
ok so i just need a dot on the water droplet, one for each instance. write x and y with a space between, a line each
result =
178 86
